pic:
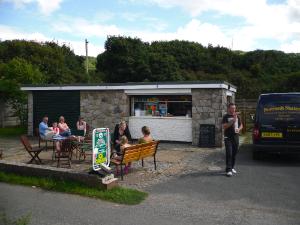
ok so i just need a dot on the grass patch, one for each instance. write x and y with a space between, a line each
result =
117 195
24 220
248 137
12 131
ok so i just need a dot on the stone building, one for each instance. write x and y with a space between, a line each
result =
174 111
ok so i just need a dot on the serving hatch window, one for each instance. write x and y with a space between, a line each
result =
164 105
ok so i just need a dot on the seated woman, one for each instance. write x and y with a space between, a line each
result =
81 125
64 129
121 129
146 135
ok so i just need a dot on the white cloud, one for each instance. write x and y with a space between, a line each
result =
9 33
280 22
45 6
48 6
292 47
79 48
84 28
196 31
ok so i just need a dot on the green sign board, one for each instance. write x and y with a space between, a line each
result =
101 147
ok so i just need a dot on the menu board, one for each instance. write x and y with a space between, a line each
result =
101 147
207 135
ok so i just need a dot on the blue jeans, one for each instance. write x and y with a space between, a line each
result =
66 133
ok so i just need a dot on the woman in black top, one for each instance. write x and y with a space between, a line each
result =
121 129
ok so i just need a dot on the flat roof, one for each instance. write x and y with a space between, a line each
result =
132 86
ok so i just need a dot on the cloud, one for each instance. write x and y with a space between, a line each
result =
292 47
294 10
45 6
196 31
9 33
278 21
84 28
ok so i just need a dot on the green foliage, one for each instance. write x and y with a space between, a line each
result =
12 74
58 64
118 194
125 59
12 131
128 60
29 62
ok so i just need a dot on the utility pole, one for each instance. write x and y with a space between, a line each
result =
86 56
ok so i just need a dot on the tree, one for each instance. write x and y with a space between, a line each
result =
58 63
164 68
12 74
124 60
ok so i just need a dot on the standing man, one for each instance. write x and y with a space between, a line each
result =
232 125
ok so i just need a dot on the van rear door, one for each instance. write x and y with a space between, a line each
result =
279 119
293 125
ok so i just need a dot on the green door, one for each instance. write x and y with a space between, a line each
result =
55 104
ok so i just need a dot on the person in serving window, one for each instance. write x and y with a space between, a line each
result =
64 129
121 129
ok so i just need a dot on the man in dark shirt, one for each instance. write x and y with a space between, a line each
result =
232 125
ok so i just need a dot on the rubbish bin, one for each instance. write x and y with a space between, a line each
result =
207 135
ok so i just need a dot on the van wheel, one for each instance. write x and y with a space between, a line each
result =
256 155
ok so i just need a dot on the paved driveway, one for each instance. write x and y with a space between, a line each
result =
263 192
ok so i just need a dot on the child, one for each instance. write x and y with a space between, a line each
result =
55 128
123 144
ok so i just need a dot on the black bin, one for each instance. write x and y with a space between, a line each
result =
207 135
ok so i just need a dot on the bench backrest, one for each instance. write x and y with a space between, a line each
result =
139 151
149 149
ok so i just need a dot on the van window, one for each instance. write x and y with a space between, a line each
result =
279 109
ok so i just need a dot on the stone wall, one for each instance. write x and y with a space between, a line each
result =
208 107
8 116
104 108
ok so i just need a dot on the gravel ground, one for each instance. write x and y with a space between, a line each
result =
173 159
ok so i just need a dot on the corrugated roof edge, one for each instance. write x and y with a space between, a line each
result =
130 83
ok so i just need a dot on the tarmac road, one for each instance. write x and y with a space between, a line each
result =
263 192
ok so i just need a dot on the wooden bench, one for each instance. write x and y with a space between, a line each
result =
136 153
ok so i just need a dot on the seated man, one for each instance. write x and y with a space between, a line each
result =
46 133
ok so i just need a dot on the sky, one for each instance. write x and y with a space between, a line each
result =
236 24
